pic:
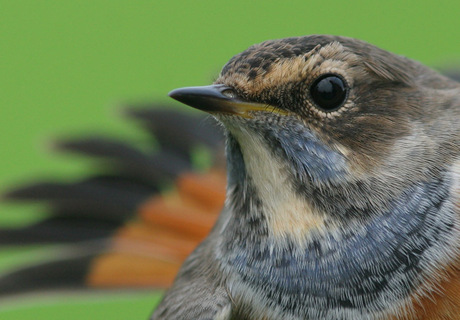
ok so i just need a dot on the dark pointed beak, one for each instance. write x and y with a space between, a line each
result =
217 99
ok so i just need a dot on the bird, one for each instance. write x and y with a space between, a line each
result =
343 185
339 196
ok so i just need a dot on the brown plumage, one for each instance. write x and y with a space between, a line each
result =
343 188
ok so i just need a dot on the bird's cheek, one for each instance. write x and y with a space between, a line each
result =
312 159
320 164
290 141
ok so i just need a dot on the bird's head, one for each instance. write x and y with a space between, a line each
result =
344 172
332 123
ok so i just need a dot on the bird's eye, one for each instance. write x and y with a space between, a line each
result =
329 92
229 93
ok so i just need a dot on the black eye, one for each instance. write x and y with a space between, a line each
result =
329 92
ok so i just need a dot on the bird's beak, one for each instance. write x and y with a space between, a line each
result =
219 99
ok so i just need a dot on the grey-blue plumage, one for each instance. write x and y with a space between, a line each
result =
343 187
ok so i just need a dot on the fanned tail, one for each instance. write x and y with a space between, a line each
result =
132 223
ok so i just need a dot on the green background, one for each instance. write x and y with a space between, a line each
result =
66 67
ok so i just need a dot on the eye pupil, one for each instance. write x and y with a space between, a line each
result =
329 92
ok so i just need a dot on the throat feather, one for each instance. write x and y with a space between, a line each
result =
286 212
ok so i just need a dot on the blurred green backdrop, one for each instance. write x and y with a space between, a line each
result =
66 66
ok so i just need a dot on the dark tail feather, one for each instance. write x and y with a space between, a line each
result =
128 160
145 234
101 197
64 274
178 129
58 230
92 189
